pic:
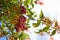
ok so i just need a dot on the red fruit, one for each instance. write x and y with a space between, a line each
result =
21 24
39 2
22 19
23 9
20 27
25 28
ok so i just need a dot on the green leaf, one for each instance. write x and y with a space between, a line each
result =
53 32
40 30
5 32
37 24
23 36
37 32
15 34
45 29
28 21
32 13
14 1
30 17
3 25
5 18
28 1
1 30
32 3
28 26
41 15
35 15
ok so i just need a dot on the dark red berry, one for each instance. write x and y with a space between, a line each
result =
25 28
21 24
23 9
22 19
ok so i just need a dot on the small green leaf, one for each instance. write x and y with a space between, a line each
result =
35 15
28 1
32 3
37 24
32 13
41 15
28 26
28 21
37 32
40 30
23 36
30 17
5 32
14 1
3 25
15 34
45 29
53 32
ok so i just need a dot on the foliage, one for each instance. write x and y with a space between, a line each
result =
15 16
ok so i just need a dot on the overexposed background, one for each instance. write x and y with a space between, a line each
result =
51 8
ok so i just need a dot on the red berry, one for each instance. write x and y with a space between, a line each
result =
39 2
22 19
25 28
21 23
23 9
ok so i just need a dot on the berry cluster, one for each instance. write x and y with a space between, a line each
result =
23 9
21 25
